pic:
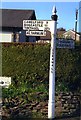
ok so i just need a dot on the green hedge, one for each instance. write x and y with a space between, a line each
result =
28 65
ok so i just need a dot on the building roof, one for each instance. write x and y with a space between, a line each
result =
72 31
48 35
15 17
60 31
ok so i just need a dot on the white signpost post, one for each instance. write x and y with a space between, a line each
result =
38 28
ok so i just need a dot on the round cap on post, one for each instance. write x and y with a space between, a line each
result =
54 16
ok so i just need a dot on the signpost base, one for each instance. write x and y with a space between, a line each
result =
51 110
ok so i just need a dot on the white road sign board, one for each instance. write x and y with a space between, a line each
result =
36 33
65 43
37 24
5 81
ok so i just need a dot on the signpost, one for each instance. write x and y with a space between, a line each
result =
51 102
38 28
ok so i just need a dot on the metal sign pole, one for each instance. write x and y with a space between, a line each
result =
51 102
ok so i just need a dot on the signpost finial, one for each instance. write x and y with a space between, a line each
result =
54 10
54 16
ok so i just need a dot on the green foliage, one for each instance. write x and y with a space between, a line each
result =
68 69
28 65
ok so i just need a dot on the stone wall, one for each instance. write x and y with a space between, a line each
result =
66 104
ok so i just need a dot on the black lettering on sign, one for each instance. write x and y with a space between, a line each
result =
52 61
51 71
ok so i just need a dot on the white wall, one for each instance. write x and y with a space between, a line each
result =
9 37
6 37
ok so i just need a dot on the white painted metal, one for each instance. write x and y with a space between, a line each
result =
5 81
51 102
